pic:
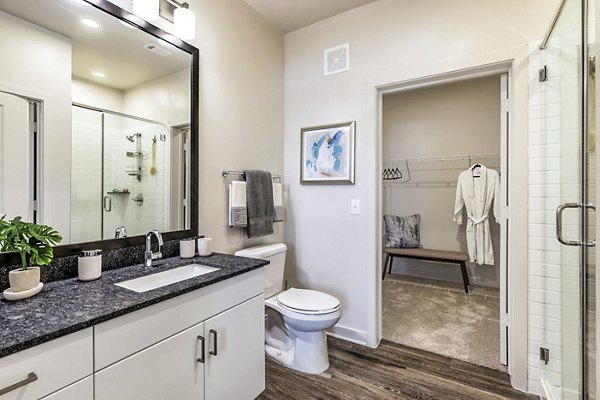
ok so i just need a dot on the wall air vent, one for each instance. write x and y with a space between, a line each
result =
337 59
161 51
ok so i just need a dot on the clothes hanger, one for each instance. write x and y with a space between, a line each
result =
473 170
397 174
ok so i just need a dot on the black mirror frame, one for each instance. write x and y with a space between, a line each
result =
110 244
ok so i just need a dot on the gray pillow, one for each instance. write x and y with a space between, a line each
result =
403 232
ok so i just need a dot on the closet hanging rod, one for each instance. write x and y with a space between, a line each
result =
227 173
468 157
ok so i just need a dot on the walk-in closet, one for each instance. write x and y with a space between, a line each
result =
445 242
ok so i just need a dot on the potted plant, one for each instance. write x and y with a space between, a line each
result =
34 244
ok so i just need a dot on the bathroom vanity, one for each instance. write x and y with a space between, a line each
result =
95 340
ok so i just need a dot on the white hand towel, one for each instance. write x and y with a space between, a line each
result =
278 202
238 212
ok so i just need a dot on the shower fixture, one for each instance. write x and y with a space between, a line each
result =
135 169
133 136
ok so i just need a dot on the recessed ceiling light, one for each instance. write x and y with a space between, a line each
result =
90 23
99 74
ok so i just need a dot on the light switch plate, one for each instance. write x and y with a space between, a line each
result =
355 206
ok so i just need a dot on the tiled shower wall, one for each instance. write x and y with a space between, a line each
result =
86 176
152 214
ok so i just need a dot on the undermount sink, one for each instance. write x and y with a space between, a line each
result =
160 279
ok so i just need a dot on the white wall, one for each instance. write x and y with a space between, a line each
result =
25 45
166 100
451 120
92 94
241 108
390 41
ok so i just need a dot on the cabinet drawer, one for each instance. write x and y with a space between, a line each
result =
56 364
121 337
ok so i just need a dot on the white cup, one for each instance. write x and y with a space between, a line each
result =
89 268
204 246
187 248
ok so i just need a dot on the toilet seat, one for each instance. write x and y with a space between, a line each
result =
304 301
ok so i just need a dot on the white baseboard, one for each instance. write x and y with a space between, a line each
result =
349 334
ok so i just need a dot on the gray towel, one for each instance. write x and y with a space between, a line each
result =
259 198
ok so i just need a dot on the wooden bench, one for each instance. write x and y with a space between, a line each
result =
443 256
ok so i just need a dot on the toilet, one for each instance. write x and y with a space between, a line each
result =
295 319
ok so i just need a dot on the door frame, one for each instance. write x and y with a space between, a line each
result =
516 301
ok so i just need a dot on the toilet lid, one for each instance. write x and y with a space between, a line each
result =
308 300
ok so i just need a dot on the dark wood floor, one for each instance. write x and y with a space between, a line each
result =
391 371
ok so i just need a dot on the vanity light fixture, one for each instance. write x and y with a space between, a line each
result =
99 74
90 23
184 21
146 9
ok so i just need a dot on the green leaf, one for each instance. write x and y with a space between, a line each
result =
34 242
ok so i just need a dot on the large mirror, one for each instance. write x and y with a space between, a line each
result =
96 122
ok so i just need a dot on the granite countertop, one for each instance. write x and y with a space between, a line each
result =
70 305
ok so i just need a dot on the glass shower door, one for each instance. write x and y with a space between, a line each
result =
570 189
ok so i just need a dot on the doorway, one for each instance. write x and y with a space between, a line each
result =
430 135
20 150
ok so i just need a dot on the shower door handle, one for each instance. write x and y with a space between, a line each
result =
590 206
107 203
559 224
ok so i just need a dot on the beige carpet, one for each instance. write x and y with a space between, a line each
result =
440 317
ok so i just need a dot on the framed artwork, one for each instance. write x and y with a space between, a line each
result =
327 154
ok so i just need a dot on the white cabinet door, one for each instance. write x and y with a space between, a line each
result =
167 370
82 390
237 370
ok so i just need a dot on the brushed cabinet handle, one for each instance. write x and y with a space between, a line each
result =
201 358
213 352
31 377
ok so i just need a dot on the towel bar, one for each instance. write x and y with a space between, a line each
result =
226 173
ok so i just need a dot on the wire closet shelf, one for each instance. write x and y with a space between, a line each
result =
434 170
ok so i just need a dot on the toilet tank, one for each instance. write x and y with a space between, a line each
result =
275 253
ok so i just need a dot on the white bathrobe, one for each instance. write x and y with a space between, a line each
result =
477 196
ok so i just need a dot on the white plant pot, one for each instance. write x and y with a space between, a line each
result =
24 280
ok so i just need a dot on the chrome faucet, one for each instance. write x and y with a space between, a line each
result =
149 255
120 232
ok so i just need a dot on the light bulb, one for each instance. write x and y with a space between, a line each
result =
184 23
146 9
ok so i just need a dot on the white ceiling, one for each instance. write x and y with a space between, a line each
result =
289 15
113 48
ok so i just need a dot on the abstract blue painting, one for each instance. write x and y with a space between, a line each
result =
328 154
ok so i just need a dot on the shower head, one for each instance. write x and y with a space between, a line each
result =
132 137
